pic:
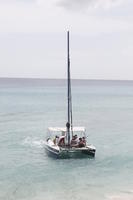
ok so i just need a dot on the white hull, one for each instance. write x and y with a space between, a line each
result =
69 152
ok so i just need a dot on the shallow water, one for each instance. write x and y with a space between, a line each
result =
28 107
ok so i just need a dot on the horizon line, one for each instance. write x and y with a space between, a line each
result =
82 79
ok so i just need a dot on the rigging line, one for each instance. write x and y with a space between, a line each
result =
71 108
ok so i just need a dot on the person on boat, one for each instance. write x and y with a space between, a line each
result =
56 140
84 141
62 139
81 144
74 141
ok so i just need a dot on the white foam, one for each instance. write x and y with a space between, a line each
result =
120 197
33 142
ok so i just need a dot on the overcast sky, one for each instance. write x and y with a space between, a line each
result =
33 38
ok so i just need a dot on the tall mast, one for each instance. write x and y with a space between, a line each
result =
68 89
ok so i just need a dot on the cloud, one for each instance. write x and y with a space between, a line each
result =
86 4
16 1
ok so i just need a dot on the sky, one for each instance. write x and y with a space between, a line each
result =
33 38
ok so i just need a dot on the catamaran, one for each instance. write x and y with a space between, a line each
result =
68 141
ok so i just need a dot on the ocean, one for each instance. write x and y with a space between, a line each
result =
29 106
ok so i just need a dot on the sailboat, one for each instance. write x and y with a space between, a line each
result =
68 141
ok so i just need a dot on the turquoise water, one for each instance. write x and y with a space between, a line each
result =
28 107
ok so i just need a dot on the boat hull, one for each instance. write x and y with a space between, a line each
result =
68 152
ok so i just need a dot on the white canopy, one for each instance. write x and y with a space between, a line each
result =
63 129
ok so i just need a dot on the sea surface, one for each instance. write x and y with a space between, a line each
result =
29 106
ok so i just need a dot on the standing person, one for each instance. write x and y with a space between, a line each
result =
56 140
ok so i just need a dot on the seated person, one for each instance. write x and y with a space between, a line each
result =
81 144
76 139
61 141
74 142
84 140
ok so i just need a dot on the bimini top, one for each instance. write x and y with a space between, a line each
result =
63 129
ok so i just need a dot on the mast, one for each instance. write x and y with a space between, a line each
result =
68 91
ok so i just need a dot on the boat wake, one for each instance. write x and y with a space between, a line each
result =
33 142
